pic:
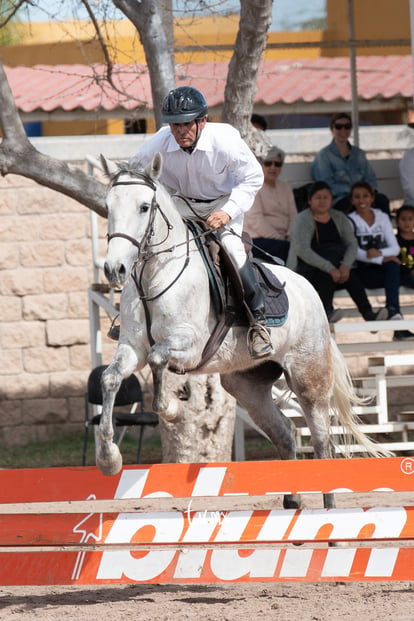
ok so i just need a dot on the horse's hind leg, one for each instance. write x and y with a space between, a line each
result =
312 385
253 390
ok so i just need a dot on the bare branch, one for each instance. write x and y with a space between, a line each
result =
13 11
101 40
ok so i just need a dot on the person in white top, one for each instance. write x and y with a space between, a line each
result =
269 221
407 176
212 175
378 264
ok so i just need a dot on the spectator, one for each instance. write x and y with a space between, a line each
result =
378 264
323 249
341 164
404 219
268 222
407 176
259 122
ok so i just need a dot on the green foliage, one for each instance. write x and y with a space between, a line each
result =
9 24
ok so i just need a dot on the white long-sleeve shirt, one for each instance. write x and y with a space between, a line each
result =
220 164
380 233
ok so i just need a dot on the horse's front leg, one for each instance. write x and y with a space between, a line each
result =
179 352
108 456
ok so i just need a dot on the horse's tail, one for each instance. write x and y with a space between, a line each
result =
344 399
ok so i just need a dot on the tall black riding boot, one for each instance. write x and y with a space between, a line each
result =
258 337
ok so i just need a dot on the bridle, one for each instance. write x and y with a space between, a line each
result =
145 248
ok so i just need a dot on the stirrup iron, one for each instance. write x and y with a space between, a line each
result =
259 342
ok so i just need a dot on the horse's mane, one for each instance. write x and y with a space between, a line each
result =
133 169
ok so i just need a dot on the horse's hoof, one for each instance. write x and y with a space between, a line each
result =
110 463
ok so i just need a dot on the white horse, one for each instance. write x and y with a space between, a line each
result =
166 319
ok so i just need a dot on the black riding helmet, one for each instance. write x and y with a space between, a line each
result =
183 104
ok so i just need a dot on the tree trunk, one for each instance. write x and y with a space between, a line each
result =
204 431
155 30
255 19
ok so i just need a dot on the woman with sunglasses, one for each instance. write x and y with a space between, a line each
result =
269 220
340 164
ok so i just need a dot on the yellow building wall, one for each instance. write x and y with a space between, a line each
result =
373 20
199 39
83 128
196 40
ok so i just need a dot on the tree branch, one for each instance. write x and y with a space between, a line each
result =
255 19
150 23
14 9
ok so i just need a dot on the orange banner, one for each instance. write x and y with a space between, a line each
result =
187 546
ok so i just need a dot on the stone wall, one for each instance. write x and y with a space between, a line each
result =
45 271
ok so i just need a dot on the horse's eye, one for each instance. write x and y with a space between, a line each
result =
144 207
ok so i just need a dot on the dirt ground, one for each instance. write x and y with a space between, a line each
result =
308 602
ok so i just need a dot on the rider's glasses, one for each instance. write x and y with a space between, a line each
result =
339 126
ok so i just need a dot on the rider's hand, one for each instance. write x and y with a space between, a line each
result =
218 219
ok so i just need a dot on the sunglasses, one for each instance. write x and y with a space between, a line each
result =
343 125
269 163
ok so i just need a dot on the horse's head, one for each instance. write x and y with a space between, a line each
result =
131 204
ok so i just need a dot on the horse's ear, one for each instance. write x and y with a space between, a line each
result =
154 169
110 168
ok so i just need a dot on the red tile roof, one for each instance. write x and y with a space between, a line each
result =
69 87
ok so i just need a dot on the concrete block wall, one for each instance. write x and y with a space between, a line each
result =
45 272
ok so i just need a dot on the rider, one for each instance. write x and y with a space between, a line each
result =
214 176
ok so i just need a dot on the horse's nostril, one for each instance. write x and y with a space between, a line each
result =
107 271
122 270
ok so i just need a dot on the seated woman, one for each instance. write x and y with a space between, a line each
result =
340 164
378 264
404 220
323 248
269 220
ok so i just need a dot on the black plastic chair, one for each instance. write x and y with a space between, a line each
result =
129 394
